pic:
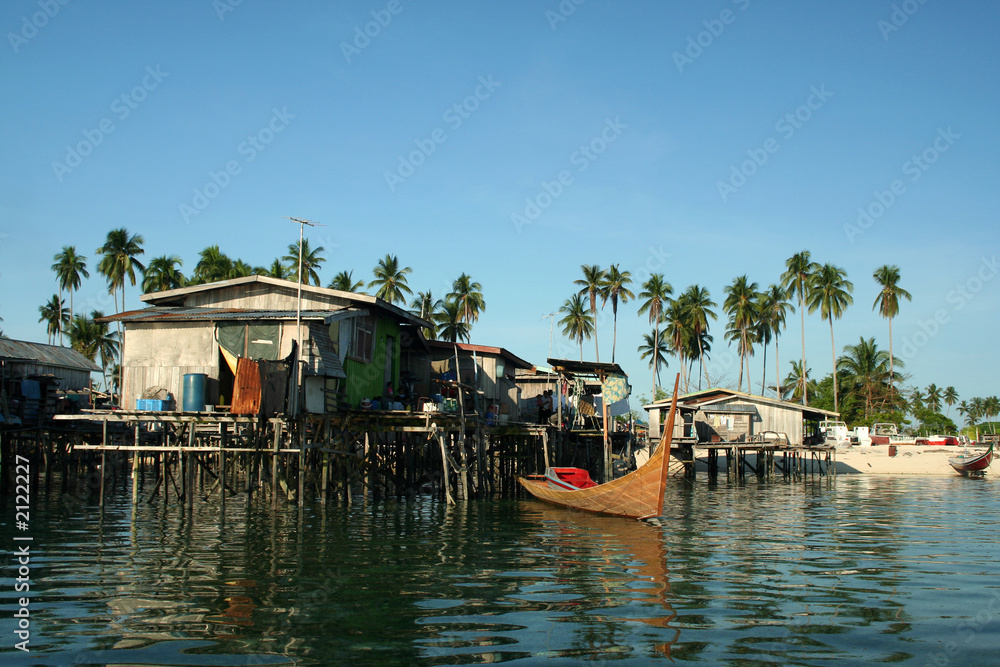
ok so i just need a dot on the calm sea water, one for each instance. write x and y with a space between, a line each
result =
849 571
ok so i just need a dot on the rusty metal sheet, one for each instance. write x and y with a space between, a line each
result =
246 388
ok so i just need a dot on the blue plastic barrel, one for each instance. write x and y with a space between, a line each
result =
194 392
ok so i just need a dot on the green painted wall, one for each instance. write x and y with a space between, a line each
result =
368 380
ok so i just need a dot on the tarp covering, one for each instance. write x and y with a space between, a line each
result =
253 341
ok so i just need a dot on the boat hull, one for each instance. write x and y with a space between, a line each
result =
972 466
638 495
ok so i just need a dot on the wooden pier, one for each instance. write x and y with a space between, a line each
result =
348 456
763 460
334 457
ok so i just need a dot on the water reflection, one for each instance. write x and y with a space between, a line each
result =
863 569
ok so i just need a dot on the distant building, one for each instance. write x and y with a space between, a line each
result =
20 359
724 415
31 375
351 343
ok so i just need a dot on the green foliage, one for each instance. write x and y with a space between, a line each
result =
934 422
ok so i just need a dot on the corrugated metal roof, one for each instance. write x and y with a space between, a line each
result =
322 358
50 355
178 296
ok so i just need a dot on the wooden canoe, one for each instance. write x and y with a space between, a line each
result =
972 466
639 494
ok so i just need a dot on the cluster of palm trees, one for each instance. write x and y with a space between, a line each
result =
755 317
450 318
977 409
88 335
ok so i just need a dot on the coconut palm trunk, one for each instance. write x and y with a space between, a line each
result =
802 315
833 356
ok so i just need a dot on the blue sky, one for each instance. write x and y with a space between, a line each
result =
701 140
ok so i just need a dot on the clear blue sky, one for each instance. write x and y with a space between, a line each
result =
834 100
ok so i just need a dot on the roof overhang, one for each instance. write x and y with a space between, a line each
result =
569 367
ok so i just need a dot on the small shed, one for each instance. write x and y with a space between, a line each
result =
21 359
31 374
725 415
490 370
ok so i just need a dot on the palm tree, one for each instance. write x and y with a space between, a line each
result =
616 288
55 316
991 407
950 398
678 334
774 307
655 294
965 410
450 326
933 400
830 292
468 294
213 265
592 284
887 300
741 305
390 280
311 261
698 304
426 306
344 281
282 271
576 323
654 347
796 280
162 274
94 340
119 260
866 368
797 382
70 268
761 333
917 400
977 409
240 269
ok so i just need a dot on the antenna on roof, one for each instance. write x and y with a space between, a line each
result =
298 314
552 318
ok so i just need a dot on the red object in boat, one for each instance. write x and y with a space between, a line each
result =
972 466
569 478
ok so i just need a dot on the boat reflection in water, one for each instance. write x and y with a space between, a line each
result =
579 540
